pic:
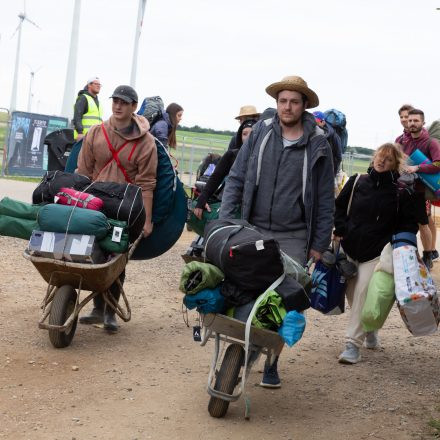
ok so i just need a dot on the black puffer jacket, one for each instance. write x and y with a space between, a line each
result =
378 210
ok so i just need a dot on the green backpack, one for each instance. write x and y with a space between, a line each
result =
116 241
198 226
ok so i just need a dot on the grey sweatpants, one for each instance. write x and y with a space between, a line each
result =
293 243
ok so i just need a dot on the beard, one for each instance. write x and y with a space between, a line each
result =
290 120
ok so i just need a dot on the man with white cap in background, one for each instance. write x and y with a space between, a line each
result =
87 109
283 180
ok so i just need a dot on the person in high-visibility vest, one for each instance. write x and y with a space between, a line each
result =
87 109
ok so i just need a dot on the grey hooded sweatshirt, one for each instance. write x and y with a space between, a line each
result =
295 189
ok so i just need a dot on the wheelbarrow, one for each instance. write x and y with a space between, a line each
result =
240 354
66 280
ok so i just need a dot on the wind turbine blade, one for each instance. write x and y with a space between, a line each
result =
16 30
31 22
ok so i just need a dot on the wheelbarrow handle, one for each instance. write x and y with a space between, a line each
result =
133 246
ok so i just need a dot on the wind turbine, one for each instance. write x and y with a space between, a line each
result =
22 16
137 35
31 83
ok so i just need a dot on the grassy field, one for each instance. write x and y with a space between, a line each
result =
357 166
3 129
192 148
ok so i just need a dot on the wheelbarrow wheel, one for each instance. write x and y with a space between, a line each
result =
226 379
63 305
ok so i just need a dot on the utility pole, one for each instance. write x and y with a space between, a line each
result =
69 88
137 35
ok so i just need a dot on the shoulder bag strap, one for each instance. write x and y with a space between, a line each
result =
351 195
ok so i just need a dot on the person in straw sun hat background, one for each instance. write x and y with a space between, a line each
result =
293 201
247 112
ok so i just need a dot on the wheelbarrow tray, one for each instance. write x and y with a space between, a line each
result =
234 328
94 277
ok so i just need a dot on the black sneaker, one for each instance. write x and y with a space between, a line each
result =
434 255
427 259
347 269
328 258
270 376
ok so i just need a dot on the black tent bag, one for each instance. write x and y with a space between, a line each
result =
241 252
122 201
53 181
234 295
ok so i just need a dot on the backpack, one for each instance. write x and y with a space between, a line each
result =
338 121
170 209
434 130
207 166
152 108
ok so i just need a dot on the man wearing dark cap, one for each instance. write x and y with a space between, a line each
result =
127 135
333 139
87 110
283 180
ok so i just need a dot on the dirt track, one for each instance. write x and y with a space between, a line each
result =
148 381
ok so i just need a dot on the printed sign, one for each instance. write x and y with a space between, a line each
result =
27 155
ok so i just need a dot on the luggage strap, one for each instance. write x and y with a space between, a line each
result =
115 154
247 333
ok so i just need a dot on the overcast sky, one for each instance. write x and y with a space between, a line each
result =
365 58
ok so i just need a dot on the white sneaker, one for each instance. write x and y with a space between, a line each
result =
350 355
371 340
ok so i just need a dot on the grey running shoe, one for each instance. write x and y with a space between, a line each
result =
371 340
434 255
350 355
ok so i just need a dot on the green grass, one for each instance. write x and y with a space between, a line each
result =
3 129
181 133
194 148
360 166
435 425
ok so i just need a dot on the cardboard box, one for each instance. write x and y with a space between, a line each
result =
71 247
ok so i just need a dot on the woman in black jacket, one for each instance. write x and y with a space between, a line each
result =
222 169
378 209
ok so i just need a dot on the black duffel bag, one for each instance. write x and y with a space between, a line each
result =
53 181
122 201
251 262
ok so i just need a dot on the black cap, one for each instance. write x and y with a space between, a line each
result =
126 93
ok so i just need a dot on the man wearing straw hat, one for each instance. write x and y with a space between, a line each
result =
246 113
283 179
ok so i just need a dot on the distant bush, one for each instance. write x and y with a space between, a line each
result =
361 150
198 129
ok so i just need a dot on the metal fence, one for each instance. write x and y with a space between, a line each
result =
191 151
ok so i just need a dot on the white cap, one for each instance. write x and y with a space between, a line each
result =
93 79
